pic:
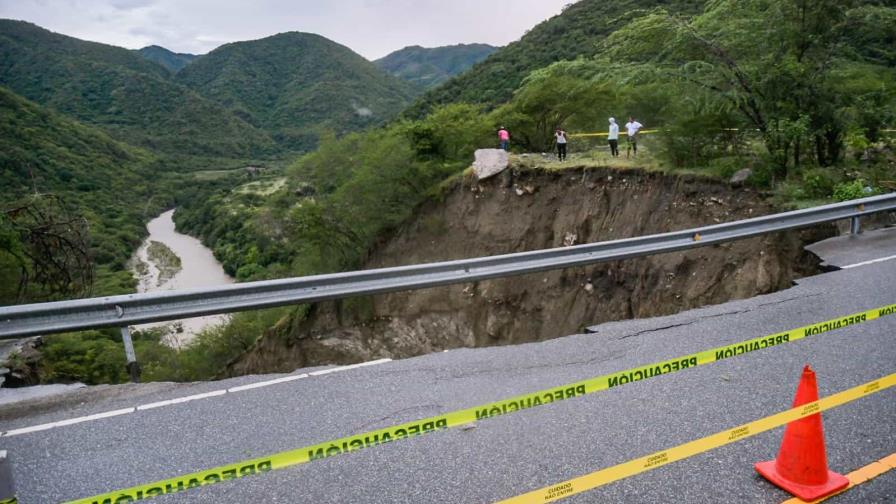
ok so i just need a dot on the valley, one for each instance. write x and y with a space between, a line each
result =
291 154
452 252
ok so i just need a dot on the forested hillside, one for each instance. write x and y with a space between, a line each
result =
427 67
128 96
296 86
576 32
74 203
173 61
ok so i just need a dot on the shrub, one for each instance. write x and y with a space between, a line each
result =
850 190
818 183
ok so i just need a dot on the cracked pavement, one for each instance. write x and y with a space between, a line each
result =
511 454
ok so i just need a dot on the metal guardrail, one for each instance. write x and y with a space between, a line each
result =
125 310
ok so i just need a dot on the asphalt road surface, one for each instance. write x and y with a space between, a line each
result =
507 455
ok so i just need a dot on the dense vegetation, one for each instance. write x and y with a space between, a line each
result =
786 107
296 86
73 208
428 67
133 99
56 172
173 61
576 32
364 183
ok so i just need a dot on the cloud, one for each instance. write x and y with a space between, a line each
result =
130 4
372 28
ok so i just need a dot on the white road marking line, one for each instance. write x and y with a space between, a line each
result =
179 400
70 421
326 371
350 366
368 363
865 263
184 399
95 416
27 430
266 383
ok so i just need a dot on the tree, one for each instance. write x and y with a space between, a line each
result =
551 98
48 246
769 60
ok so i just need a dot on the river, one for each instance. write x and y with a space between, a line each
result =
198 268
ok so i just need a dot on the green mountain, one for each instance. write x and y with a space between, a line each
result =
133 99
297 85
566 36
173 61
429 67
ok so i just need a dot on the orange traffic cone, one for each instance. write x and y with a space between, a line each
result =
802 466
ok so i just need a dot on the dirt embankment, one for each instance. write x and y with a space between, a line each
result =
531 210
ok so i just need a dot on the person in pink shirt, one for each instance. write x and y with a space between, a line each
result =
504 138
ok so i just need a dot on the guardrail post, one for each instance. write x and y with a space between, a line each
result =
7 488
132 365
855 225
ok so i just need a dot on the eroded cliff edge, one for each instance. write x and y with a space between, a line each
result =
535 209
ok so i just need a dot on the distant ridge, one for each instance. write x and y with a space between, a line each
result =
573 33
173 61
428 67
131 98
296 85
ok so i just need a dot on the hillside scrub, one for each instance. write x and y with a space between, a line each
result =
72 212
364 184
573 34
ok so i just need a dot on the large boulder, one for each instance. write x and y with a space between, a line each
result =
490 162
740 177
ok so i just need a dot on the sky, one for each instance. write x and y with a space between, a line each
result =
372 28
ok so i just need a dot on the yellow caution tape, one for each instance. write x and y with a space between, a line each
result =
416 428
649 462
622 133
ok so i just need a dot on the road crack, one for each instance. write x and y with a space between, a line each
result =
717 315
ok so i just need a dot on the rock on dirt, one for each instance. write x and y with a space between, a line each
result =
490 162
740 177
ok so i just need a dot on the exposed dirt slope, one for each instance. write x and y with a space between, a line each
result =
531 210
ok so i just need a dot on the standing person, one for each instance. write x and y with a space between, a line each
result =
560 137
632 128
504 138
613 138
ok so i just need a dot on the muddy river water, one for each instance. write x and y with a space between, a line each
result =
198 268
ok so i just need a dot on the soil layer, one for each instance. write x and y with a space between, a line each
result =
537 209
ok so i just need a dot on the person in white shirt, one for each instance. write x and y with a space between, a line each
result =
560 137
632 127
613 138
